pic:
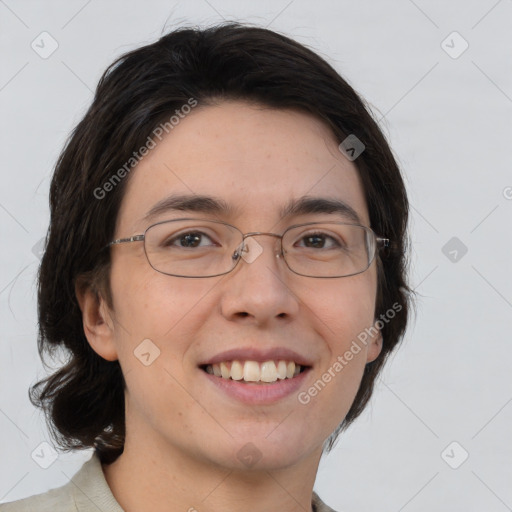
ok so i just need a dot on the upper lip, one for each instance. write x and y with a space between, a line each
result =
258 354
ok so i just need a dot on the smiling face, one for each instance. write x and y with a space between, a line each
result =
256 161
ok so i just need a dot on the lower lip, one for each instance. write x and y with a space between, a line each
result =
259 394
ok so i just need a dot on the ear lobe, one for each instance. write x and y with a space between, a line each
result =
375 345
97 322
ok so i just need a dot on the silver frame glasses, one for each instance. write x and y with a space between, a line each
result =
379 243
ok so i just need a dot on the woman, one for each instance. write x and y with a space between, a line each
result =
226 266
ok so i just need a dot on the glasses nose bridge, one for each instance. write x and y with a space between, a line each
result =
259 233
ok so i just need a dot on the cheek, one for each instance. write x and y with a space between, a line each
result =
347 314
345 308
154 306
146 304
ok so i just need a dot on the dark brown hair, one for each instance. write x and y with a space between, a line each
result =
84 399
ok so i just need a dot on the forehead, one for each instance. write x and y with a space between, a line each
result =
255 160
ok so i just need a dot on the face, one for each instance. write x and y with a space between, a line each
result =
256 160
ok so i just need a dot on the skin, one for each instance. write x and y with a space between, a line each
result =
182 435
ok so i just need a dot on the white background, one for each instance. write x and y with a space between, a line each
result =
449 122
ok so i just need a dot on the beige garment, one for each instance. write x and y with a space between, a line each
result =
88 491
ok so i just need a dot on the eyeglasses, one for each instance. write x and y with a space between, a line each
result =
208 248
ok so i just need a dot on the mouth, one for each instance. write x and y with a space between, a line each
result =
255 372
256 383
257 375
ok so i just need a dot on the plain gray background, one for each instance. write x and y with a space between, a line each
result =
447 114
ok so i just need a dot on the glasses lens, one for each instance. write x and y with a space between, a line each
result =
328 249
192 247
204 248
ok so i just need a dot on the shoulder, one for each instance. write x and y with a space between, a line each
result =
55 500
87 491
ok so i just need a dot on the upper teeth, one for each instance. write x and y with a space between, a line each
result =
252 371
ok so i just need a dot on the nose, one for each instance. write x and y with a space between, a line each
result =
258 290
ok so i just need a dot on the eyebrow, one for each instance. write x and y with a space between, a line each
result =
305 205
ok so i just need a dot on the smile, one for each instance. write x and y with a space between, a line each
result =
254 371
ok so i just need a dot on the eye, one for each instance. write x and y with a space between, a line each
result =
187 240
319 240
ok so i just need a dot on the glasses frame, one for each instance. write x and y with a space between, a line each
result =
379 243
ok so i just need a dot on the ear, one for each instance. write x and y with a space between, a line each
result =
97 321
374 344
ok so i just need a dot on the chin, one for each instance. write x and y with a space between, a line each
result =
269 450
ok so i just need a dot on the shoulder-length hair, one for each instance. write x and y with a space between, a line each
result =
84 399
